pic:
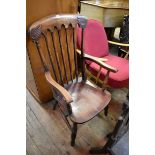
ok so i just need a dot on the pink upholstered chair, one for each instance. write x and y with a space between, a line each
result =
96 45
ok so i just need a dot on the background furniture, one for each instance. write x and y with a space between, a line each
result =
76 100
36 9
109 12
96 44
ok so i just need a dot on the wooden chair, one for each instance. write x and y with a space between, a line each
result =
76 100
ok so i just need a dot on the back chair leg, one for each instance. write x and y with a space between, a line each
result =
73 135
106 109
55 105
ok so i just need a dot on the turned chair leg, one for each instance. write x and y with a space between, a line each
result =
73 135
55 105
106 110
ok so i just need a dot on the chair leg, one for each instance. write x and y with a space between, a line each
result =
127 96
106 110
55 105
73 135
101 150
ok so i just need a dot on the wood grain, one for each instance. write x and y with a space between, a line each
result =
88 102
100 62
62 90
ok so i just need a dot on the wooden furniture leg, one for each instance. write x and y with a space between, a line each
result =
55 105
73 135
106 110
101 150
120 129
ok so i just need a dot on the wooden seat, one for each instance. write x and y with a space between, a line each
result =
87 101
55 40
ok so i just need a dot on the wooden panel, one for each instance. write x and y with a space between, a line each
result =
43 89
110 14
35 10
30 81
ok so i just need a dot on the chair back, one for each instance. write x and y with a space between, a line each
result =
95 39
54 38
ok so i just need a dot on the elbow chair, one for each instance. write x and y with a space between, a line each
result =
96 45
76 100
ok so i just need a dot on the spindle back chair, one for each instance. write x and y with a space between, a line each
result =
55 41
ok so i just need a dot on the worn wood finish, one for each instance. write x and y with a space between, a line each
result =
35 10
92 57
53 83
47 134
77 101
88 101
99 61
109 12
47 131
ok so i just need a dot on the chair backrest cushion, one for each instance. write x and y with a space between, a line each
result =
95 39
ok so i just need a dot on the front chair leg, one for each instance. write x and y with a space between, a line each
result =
106 110
73 135
101 150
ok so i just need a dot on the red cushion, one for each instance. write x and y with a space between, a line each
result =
95 39
116 80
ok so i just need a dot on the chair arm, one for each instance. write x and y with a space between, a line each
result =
62 90
118 44
93 57
99 62
102 64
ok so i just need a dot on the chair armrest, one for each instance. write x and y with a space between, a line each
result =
100 59
62 90
118 44
99 62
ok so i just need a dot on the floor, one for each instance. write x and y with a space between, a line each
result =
47 133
